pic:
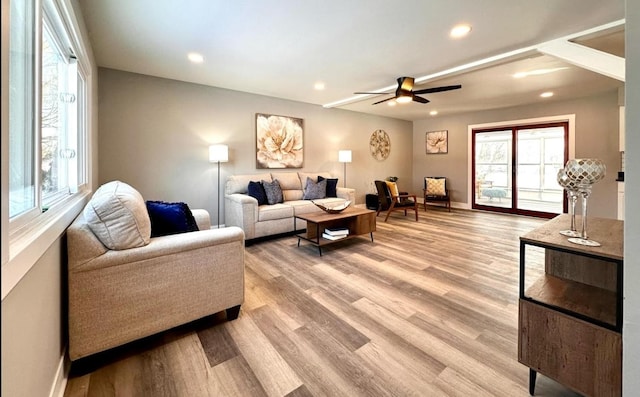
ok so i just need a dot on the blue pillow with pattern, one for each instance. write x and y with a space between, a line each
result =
273 191
313 190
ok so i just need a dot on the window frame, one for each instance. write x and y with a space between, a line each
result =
26 237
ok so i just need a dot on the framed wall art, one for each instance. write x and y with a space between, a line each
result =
279 141
437 142
380 145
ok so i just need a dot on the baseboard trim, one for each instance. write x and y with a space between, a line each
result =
62 375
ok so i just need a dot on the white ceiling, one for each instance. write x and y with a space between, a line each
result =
280 48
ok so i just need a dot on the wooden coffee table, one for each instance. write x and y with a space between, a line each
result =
359 221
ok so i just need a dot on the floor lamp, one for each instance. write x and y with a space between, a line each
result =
218 154
344 156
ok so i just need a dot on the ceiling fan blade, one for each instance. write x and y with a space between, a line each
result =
384 100
373 93
405 83
437 89
420 99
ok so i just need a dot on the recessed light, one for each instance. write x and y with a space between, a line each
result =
459 31
546 94
318 86
195 57
391 103
433 112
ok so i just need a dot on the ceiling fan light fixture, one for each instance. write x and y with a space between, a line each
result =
404 99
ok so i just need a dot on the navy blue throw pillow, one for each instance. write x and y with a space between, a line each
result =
170 218
256 190
332 186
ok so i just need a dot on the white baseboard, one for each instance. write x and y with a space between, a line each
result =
62 375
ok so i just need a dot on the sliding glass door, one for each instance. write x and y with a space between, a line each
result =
515 168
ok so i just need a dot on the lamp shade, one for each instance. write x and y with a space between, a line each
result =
218 153
344 156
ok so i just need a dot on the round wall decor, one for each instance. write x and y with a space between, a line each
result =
380 145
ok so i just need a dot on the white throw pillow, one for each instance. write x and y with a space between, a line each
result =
118 216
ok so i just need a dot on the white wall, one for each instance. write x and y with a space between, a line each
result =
631 326
154 135
597 121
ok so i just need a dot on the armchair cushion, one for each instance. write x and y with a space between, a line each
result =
436 186
170 218
393 189
118 216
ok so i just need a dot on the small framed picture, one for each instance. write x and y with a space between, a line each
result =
437 142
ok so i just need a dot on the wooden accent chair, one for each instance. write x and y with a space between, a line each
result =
401 202
435 191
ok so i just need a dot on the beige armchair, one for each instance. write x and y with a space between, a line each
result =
120 295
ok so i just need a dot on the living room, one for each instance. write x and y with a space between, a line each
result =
154 133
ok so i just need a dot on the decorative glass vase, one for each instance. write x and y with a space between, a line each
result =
572 195
585 173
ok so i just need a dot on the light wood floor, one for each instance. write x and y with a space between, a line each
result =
428 309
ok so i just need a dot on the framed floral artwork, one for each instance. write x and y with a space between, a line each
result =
437 142
279 141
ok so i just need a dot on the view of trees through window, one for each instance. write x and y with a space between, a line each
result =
539 154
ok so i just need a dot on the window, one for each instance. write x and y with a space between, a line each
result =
515 168
22 108
47 107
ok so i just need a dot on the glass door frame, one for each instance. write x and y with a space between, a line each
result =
514 128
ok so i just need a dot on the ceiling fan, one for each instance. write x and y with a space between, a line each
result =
405 93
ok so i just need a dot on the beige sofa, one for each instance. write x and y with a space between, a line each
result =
256 221
120 295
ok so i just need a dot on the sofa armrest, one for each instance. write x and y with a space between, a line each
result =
347 194
241 210
163 247
202 218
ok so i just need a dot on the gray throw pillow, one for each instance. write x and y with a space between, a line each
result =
273 191
313 190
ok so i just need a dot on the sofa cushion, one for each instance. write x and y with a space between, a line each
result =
118 216
256 190
288 180
170 218
314 190
332 186
273 191
273 212
240 183
290 195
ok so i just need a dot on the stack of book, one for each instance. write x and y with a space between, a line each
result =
335 234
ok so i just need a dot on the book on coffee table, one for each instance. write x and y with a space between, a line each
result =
337 232
330 237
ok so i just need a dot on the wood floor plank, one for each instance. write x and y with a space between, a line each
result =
236 379
273 372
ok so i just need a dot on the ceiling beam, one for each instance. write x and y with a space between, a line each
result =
587 58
